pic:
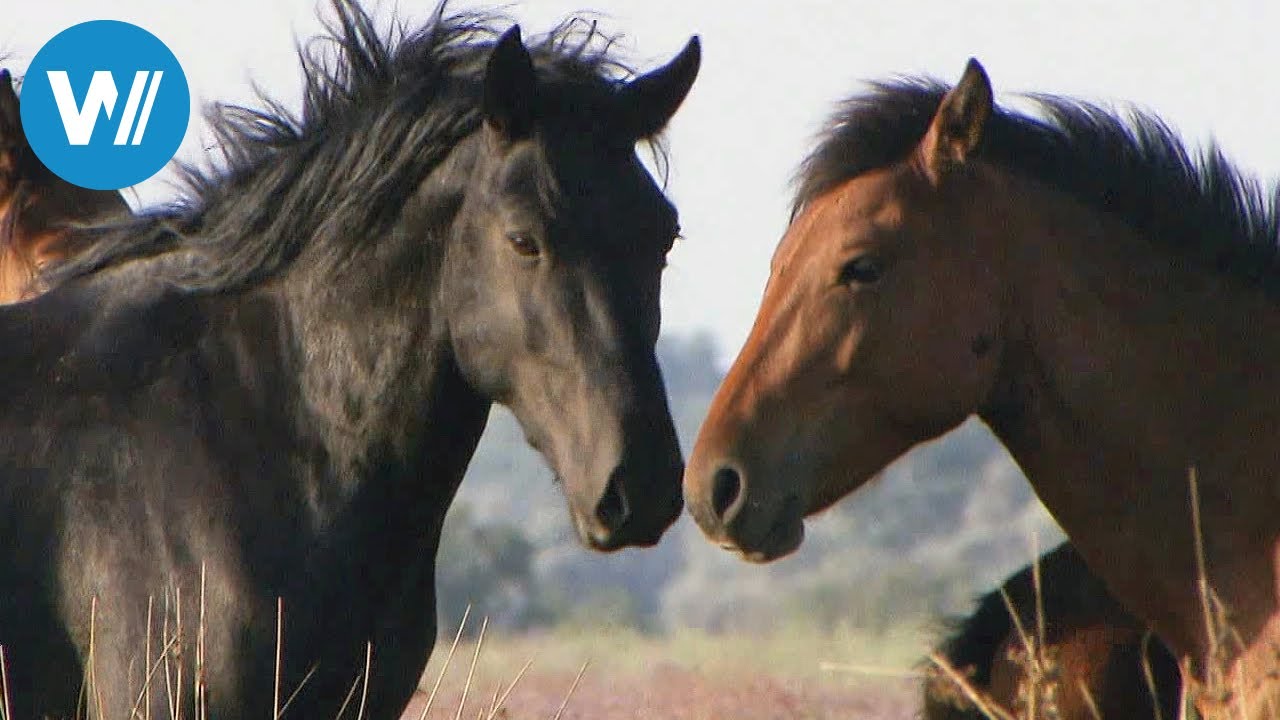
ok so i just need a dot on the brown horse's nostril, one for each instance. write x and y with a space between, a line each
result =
613 510
726 486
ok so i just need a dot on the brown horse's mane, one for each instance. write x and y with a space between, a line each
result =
1132 166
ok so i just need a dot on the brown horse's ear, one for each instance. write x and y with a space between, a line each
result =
957 127
10 120
648 102
510 88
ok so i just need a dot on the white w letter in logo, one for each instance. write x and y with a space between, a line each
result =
80 121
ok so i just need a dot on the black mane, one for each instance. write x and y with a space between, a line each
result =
1133 167
399 103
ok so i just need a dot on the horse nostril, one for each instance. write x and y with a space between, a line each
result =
726 486
613 510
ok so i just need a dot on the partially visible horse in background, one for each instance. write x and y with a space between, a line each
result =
37 208
1094 654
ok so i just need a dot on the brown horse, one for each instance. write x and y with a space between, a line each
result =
1105 300
1096 654
37 207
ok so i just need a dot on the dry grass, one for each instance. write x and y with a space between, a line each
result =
1041 678
616 674
1215 690
1219 692
1040 682
605 674
802 672
790 653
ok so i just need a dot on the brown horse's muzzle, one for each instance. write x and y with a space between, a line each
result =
745 517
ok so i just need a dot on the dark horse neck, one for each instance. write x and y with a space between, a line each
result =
369 388
373 394
372 503
1125 367
385 426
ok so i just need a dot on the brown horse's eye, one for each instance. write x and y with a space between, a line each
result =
862 270
523 243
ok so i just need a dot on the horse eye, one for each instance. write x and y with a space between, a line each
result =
523 243
863 270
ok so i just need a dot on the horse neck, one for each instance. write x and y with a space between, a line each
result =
382 416
378 406
381 388
1123 368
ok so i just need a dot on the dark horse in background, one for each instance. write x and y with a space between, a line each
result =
37 208
274 392
1097 656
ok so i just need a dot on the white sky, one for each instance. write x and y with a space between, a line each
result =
772 70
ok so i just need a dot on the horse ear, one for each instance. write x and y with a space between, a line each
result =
10 119
957 127
510 88
647 103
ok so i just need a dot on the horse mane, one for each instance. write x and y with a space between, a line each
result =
379 110
26 168
8 219
1131 166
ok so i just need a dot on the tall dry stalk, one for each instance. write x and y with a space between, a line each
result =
447 660
368 670
569 695
1220 693
475 657
4 687
979 699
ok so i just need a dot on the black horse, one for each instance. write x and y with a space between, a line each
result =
272 393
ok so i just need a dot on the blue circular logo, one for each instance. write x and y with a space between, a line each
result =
105 104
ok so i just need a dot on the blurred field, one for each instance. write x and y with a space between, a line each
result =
686 676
